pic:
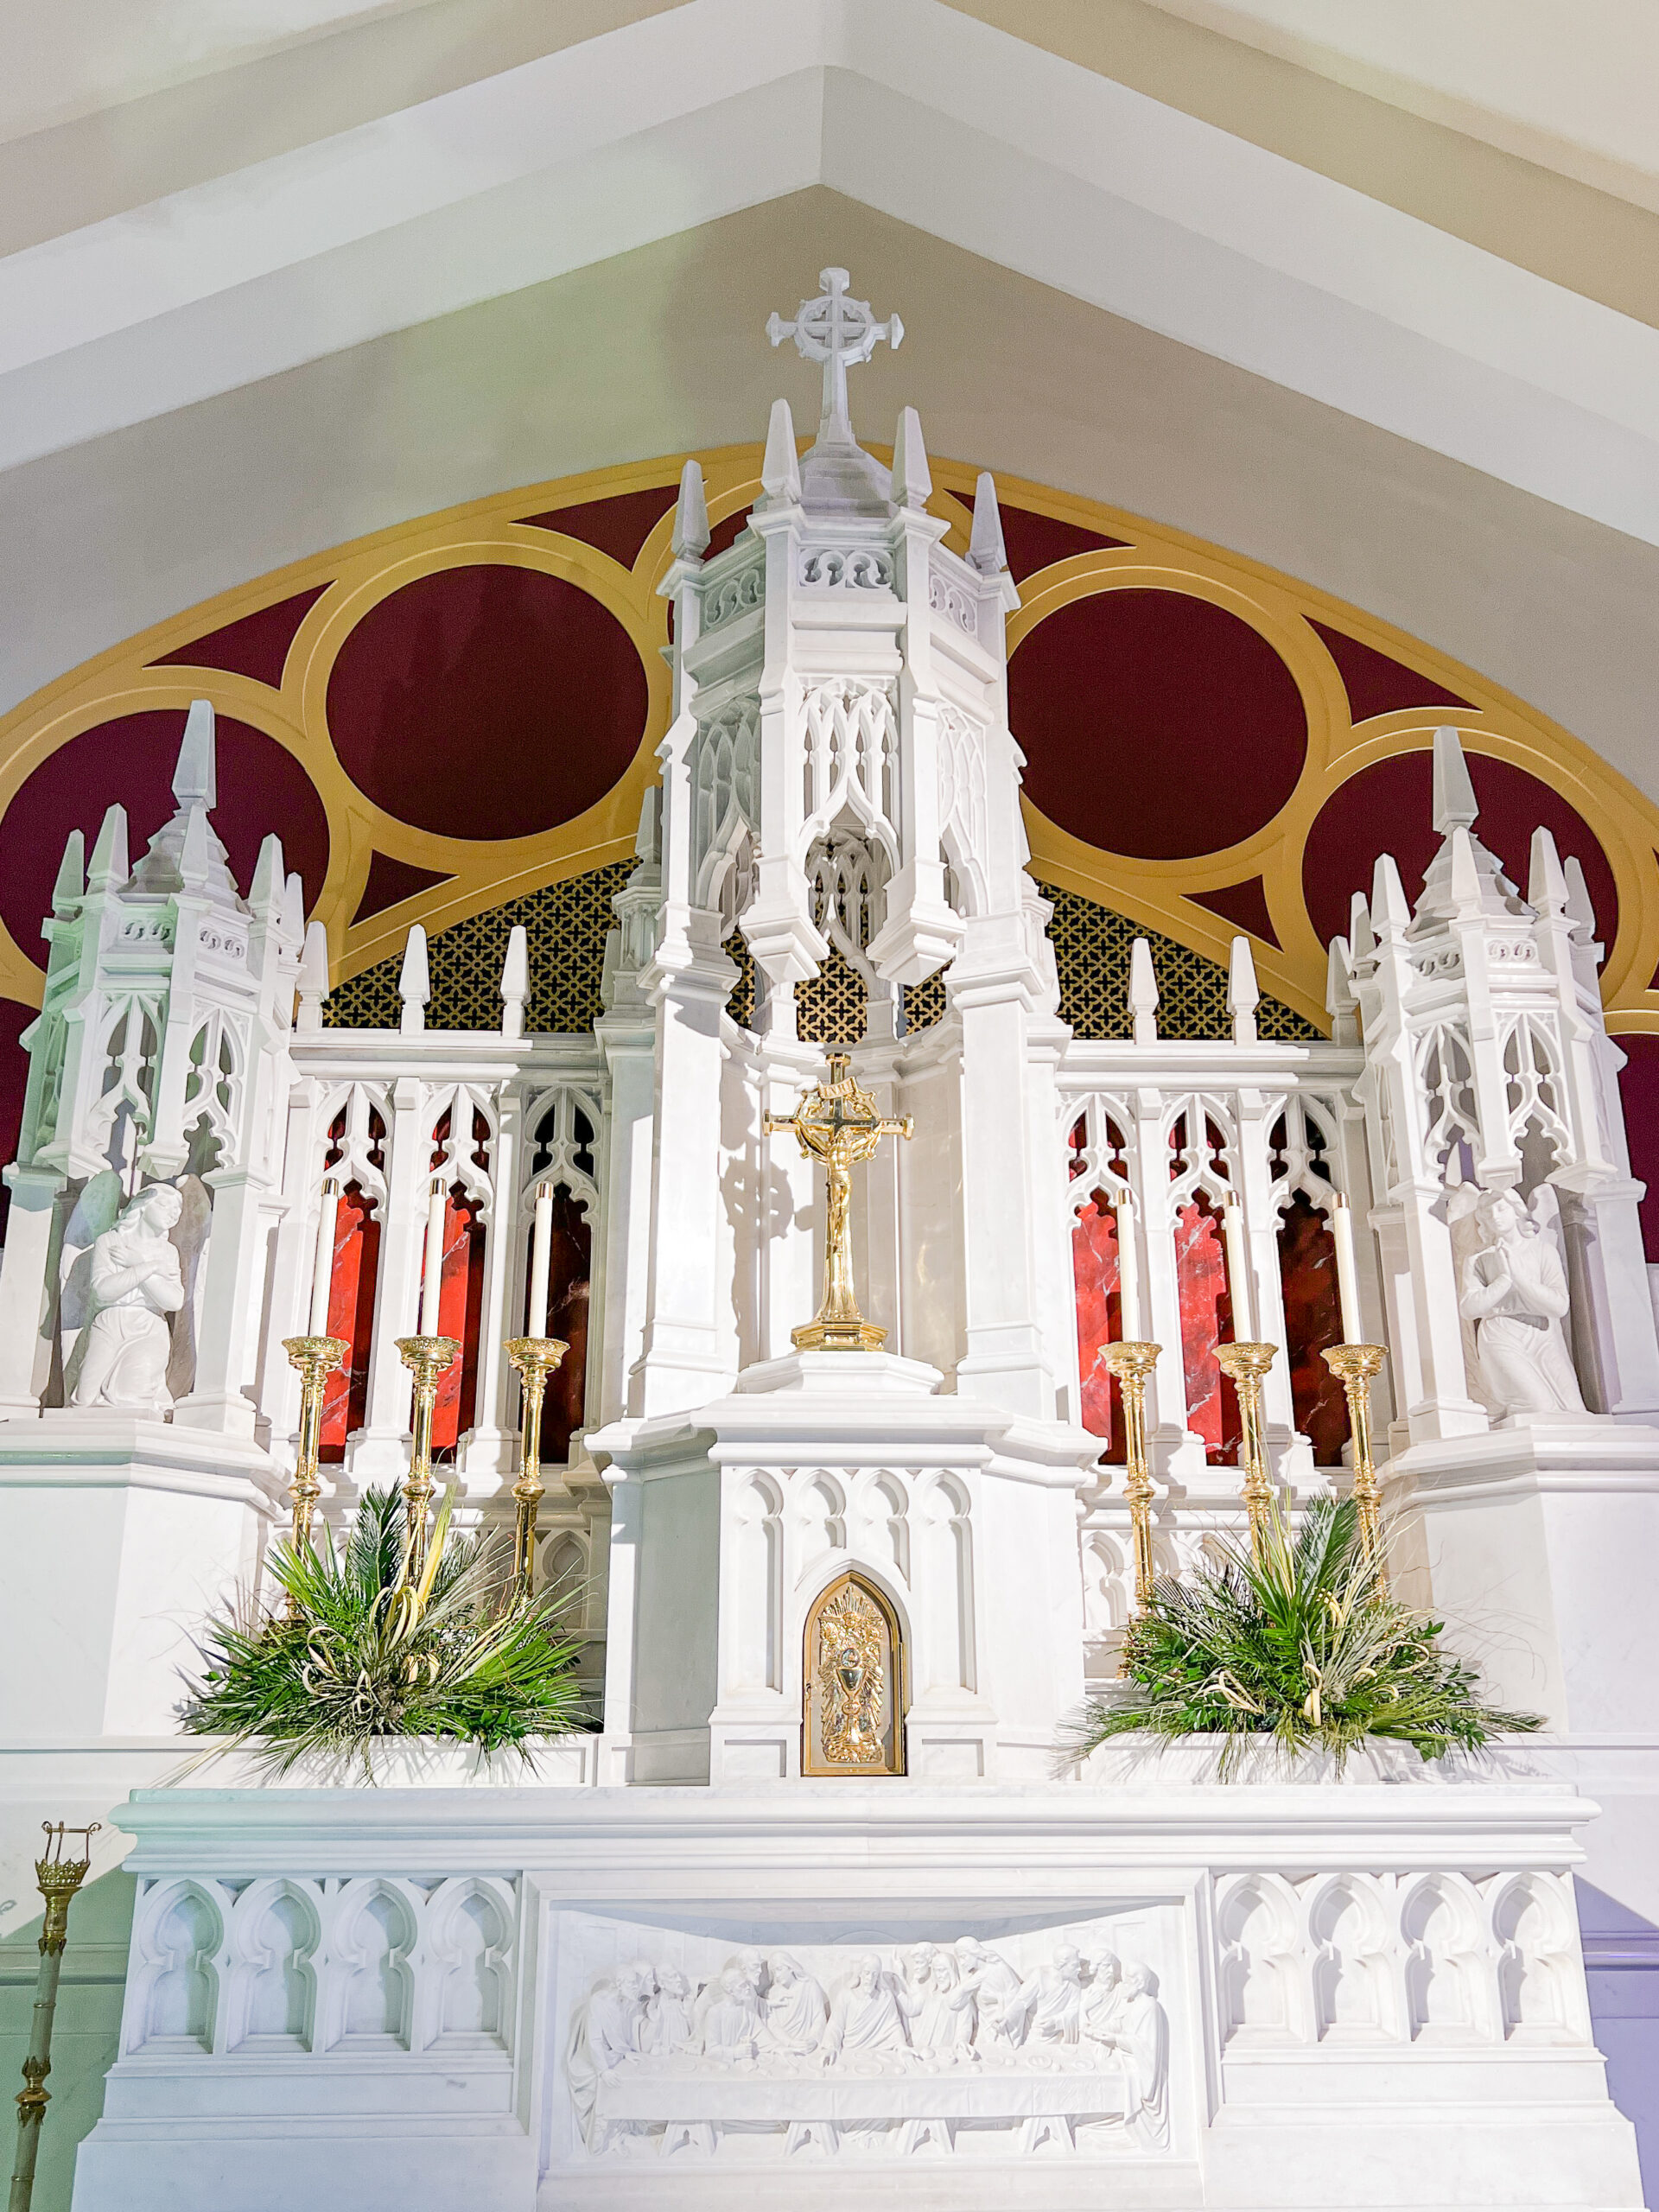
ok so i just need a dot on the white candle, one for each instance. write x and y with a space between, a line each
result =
437 1204
1238 1272
1342 1230
323 1270
541 1259
1129 1272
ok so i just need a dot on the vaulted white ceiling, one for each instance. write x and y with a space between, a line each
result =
923 112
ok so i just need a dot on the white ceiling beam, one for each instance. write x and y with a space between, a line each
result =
994 145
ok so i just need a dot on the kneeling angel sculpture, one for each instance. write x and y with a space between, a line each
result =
1514 1297
134 1284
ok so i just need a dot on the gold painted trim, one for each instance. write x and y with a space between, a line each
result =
483 874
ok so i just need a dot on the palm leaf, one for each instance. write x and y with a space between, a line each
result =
352 1653
1303 1644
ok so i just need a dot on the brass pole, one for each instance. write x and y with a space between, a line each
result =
1130 1363
1247 1363
315 1359
534 1359
428 1359
58 1879
1357 1365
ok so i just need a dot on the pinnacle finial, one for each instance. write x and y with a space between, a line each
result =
515 982
839 331
1339 1000
1243 995
195 779
414 984
780 470
1143 992
71 871
913 481
690 539
985 547
313 980
108 870
1456 806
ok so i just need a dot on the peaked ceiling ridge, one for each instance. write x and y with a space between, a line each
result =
1080 181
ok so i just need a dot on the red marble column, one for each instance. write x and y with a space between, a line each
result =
1100 1321
351 1316
1307 1267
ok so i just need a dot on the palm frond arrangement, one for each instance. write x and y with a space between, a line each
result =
366 1650
1305 1645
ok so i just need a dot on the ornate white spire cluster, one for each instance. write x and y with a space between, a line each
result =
1488 1069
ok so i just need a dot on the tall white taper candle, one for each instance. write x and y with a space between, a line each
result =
322 1269
437 1203
1128 1272
541 1259
1238 1271
1342 1230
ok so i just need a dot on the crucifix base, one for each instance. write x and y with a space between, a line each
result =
838 1336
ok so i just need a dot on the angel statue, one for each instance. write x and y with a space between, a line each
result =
1513 1293
134 1284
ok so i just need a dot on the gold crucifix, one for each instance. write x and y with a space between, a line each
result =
837 1122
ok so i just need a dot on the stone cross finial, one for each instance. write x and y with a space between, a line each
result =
837 331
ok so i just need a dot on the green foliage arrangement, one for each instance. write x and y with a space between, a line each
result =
1305 1645
364 1652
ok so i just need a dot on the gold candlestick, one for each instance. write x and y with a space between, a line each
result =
428 1359
1130 1363
534 1359
58 1879
836 1123
1357 1365
1247 1363
316 1358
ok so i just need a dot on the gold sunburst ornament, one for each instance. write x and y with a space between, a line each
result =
839 1123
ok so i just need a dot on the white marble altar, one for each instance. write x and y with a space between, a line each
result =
1141 1989
981 1979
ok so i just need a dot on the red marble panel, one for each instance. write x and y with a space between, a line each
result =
1638 1089
1100 1321
1034 541
566 1317
619 526
460 1313
1206 1321
1307 1268
256 646
351 1315
726 534
486 702
1155 723
1244 905
1378 685
390 882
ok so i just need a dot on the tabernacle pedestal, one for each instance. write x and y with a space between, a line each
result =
734 1519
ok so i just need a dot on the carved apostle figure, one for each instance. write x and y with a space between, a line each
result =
1048 2007
797 2008
992 1986
1512 1287
1141 2037
865 2020
1103 1999
733 2024
136 1284
668 2024
947 2022
605 2030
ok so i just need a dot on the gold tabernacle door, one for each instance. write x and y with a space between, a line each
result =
853 1722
